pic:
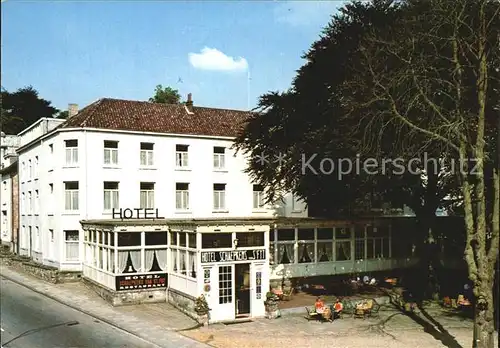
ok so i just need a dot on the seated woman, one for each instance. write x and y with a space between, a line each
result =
337 309
327 314
319 305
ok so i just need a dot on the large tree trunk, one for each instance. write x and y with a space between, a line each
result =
484 323
429 263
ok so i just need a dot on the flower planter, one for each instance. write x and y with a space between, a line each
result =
272 310
203 319
271 305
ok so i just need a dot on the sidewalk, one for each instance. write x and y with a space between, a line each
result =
155 323
391 330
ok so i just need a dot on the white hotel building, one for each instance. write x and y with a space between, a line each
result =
214 236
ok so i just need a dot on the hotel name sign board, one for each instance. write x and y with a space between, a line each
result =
135 213
233 255
141 281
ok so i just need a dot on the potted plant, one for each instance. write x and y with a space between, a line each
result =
271 305
201 308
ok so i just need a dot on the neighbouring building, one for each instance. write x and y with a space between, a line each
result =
151 203
9 191
118 154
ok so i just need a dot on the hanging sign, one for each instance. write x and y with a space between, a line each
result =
141 281
233 255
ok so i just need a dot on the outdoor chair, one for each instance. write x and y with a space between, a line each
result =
374 311
312 315
348 308
287 295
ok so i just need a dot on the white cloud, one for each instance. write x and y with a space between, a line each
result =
213 59
302 13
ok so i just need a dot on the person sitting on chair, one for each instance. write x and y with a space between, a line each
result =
337 309
319 305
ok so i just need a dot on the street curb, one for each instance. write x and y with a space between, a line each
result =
107 321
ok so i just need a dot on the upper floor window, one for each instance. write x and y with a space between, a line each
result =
51 148
30 168
296 205
30 202
111 195
219 196
36 167
258 196
182 196
181 155
147 154
71 199
49 204
147 199
37 202
71 151
110 152
23 173
219 157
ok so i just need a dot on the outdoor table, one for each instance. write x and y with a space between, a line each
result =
278 293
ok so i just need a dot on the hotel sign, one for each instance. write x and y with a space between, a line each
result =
233 255
135 213
141 281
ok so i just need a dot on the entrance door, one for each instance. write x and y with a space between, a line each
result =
225 307
242 289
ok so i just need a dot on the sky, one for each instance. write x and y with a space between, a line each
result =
226 53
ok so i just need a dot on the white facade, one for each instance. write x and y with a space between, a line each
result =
6 209
68 174
8 186
227 261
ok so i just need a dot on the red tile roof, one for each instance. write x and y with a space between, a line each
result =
143 116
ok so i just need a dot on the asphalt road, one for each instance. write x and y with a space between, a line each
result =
22 310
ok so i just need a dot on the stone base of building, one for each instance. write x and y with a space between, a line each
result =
8 245
46 273
183 302
123 298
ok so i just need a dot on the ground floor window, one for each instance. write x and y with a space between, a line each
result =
292 246
325 251
155 260
306 252
130 256
184 261
286 253
359 249
343 250
378 248
129 261
225 285
72 245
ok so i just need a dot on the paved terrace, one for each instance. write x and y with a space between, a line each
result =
167 327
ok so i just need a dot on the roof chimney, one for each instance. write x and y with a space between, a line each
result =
72 110
189 102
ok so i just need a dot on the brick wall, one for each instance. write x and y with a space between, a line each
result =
15 210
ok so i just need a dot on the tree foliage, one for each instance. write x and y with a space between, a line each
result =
63 114
308 120
165 95
416 80
434 75
22 108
